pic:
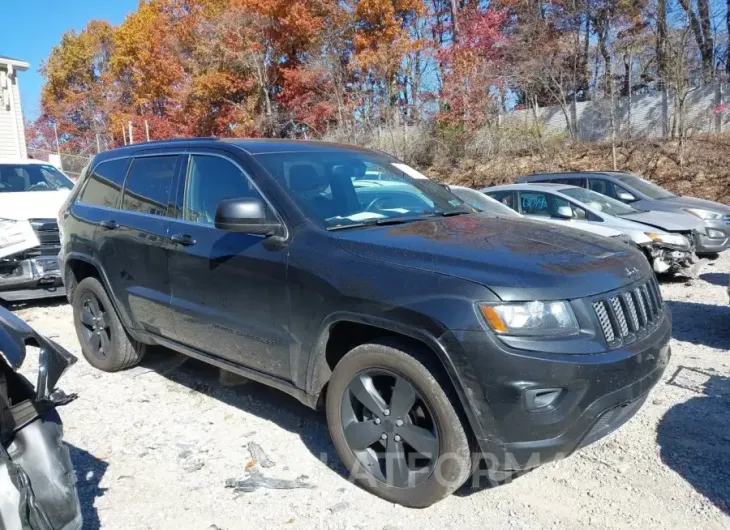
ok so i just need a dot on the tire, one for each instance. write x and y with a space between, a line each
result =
121 350
453 462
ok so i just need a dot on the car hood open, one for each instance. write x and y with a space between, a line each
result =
517 259
669 221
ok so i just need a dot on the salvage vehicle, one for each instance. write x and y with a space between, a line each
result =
31 193
432 335
37 479
644 195
484 203
665 239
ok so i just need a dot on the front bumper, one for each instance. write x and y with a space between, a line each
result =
31 278
716 237
596 394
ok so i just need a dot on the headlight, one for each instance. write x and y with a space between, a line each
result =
670 239
703 214
11 233
531 318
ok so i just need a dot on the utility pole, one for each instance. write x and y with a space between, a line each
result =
131 138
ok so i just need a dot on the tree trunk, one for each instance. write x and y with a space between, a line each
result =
454 20
706 48
661 39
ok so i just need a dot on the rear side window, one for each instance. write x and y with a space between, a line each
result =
104 185
505 197
147 188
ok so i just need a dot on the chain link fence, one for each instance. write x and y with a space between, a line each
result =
71 164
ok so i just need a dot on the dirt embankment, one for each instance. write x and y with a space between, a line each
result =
703 170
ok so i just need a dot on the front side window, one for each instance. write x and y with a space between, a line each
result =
147 188
104 185
342 189
601 186
599 202
649 189
212 179
32 177
534 203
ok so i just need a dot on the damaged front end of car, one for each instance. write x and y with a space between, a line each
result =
674 253
37 478
29 266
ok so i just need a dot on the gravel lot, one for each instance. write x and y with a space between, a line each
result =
153 446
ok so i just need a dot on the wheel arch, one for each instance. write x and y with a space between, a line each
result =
324 357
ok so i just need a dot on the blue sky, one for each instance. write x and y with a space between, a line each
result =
31 28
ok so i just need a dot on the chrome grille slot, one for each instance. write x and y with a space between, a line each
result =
625 315
605 321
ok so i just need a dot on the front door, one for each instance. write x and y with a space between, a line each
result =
229 290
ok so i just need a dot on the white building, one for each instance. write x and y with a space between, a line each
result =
12 129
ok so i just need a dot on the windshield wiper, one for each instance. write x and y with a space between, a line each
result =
454 212
384 221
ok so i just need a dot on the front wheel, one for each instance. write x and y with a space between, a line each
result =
394 426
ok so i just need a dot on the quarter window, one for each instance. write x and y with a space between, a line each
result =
212 179
147 188
104 185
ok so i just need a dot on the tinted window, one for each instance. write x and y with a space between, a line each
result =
504 197
570 182
212 179
32 177
604 187
355 188
104 185
147 188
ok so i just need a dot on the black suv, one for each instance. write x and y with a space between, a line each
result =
428 332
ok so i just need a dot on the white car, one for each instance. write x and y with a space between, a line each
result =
31 195
484 203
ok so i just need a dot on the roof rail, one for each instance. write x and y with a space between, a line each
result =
195 139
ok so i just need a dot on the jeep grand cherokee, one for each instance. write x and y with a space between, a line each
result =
428 332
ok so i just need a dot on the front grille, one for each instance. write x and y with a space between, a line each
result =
625 315
47 232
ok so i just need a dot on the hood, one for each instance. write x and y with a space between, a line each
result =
32 204
669 221
587 226
517 259
692 202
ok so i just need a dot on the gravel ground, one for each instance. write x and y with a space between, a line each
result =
154 446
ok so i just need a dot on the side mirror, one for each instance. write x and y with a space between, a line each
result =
565 212
249 216
625 196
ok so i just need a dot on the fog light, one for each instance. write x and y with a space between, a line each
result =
541 398
715 234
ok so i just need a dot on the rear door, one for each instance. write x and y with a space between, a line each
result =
229 290
132 243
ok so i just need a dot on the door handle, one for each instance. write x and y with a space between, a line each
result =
110 225
183 239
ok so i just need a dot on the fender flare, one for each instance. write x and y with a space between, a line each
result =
318 373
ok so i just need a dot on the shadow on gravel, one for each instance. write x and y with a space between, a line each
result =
89 471
701 323
56 301
694 436
251 397
715 278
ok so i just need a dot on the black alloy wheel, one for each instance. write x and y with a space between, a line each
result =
389 428
96 328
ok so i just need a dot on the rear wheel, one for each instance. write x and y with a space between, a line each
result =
394 426
104 341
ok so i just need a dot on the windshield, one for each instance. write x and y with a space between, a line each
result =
647 188
342 189
32 177
483 203
604 204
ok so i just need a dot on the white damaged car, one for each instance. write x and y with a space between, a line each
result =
31 195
